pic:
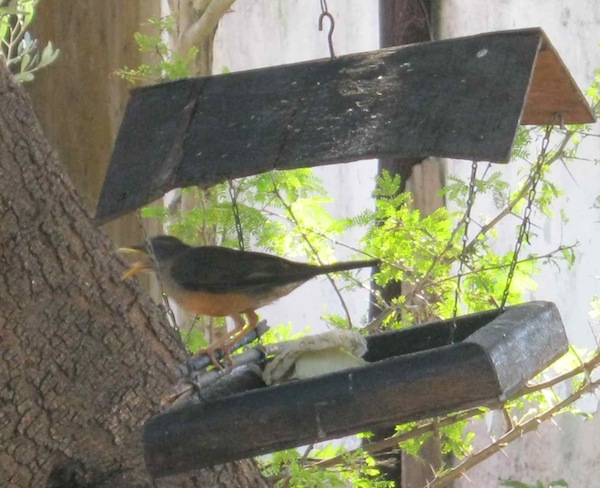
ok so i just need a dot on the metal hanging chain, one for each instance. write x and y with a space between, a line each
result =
325 13
526 222
465 239
236 215
163 294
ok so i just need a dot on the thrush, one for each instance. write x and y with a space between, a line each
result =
222 282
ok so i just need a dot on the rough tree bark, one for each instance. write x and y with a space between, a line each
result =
84 357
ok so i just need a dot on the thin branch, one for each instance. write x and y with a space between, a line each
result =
522 192
509 437
292 215
393 441
586 367
501 266
16 35
423 282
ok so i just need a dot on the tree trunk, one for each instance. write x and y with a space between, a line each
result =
84 357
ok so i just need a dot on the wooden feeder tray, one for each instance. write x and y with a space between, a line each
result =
461 98
415 373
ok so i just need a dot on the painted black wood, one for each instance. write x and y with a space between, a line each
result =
457 98
414 374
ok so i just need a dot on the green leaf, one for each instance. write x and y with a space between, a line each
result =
48 56
24 77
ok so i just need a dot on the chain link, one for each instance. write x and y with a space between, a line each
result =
163 294
526 222
236 215
465 239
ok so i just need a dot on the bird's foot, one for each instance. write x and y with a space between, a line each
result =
212 351
232 342
201 360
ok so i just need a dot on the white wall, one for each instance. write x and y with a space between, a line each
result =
570 449
260 33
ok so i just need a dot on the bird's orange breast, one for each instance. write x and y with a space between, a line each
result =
226 304
214 305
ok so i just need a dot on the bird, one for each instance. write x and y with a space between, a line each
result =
223 282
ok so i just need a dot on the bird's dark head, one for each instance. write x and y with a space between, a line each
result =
162 248
165 247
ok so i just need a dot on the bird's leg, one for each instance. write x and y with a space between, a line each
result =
240 332
229 340
223 343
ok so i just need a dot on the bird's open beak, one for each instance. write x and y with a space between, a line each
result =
141 265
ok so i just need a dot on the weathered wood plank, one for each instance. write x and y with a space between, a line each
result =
459 98
553 91
415 373
518 352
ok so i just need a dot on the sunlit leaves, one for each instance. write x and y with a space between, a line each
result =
170 65
290 468
19 49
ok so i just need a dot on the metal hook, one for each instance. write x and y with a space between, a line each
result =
331 27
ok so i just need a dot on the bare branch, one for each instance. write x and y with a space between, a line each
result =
393 441
296 222
509 437
513 433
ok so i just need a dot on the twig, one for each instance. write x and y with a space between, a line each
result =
558 154
290 211
393 441
586 367
501 266
431 426
251 356
510 436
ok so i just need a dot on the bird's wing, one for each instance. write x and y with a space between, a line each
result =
222 270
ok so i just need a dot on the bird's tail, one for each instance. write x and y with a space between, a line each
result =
347 265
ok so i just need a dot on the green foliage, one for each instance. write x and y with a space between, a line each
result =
455 439
195 338
283 212
594 90
289 468
595 309
522 142
171 65
283 332
19 50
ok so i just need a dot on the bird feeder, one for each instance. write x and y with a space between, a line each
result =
460 98
412 374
